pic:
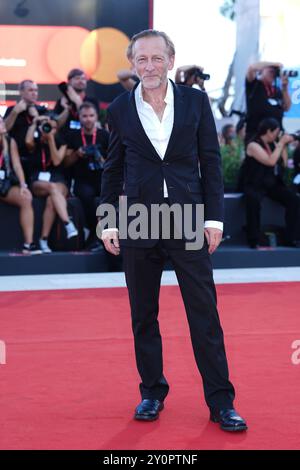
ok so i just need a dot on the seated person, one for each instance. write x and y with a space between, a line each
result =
13 189
48 179
87 150
264 164
19 117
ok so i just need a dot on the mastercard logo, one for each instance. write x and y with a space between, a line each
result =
47 53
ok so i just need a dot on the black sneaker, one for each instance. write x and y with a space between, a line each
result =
31 249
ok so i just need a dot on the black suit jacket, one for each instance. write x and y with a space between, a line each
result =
134 168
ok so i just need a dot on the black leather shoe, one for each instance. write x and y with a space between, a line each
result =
148 410
229 420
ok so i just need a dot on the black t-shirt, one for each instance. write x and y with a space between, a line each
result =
81 169
72 122
41 156
20 127
260 176
261 104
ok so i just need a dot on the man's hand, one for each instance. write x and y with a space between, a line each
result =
80 153
284 81
74 96
32 111
213 237
110 239
20 106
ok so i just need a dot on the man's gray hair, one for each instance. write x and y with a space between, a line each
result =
23 83
150 33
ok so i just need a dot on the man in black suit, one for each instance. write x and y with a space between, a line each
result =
161 134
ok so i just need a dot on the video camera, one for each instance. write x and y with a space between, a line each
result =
286 73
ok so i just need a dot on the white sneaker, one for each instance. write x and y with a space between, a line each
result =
71 230
44 246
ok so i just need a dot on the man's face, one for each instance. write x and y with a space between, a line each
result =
88 118
151 61
268 75
79 82
29 92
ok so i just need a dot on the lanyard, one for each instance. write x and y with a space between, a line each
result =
29 119
44 159
270 90
93 138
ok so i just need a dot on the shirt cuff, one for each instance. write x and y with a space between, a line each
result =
213 224
110 230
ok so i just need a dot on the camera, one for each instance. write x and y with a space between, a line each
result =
286 73
46 127
93 153
63 88
199 74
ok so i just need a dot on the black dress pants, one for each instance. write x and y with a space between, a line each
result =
87 192
143 269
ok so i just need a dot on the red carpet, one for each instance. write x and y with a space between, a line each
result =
70 380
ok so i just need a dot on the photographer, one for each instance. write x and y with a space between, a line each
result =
48 179
13 189
87 149
20 116
74 94
190 75
263 177
265 98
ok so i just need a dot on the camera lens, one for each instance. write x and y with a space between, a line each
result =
46 127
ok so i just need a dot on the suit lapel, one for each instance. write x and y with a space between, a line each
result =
178 121
136 123
178 118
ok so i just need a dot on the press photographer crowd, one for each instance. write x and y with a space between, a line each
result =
58 153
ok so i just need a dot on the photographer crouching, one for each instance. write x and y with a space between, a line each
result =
87 148
48 179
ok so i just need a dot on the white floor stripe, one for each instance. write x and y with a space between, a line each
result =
100 280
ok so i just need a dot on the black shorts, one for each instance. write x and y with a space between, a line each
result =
56 177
